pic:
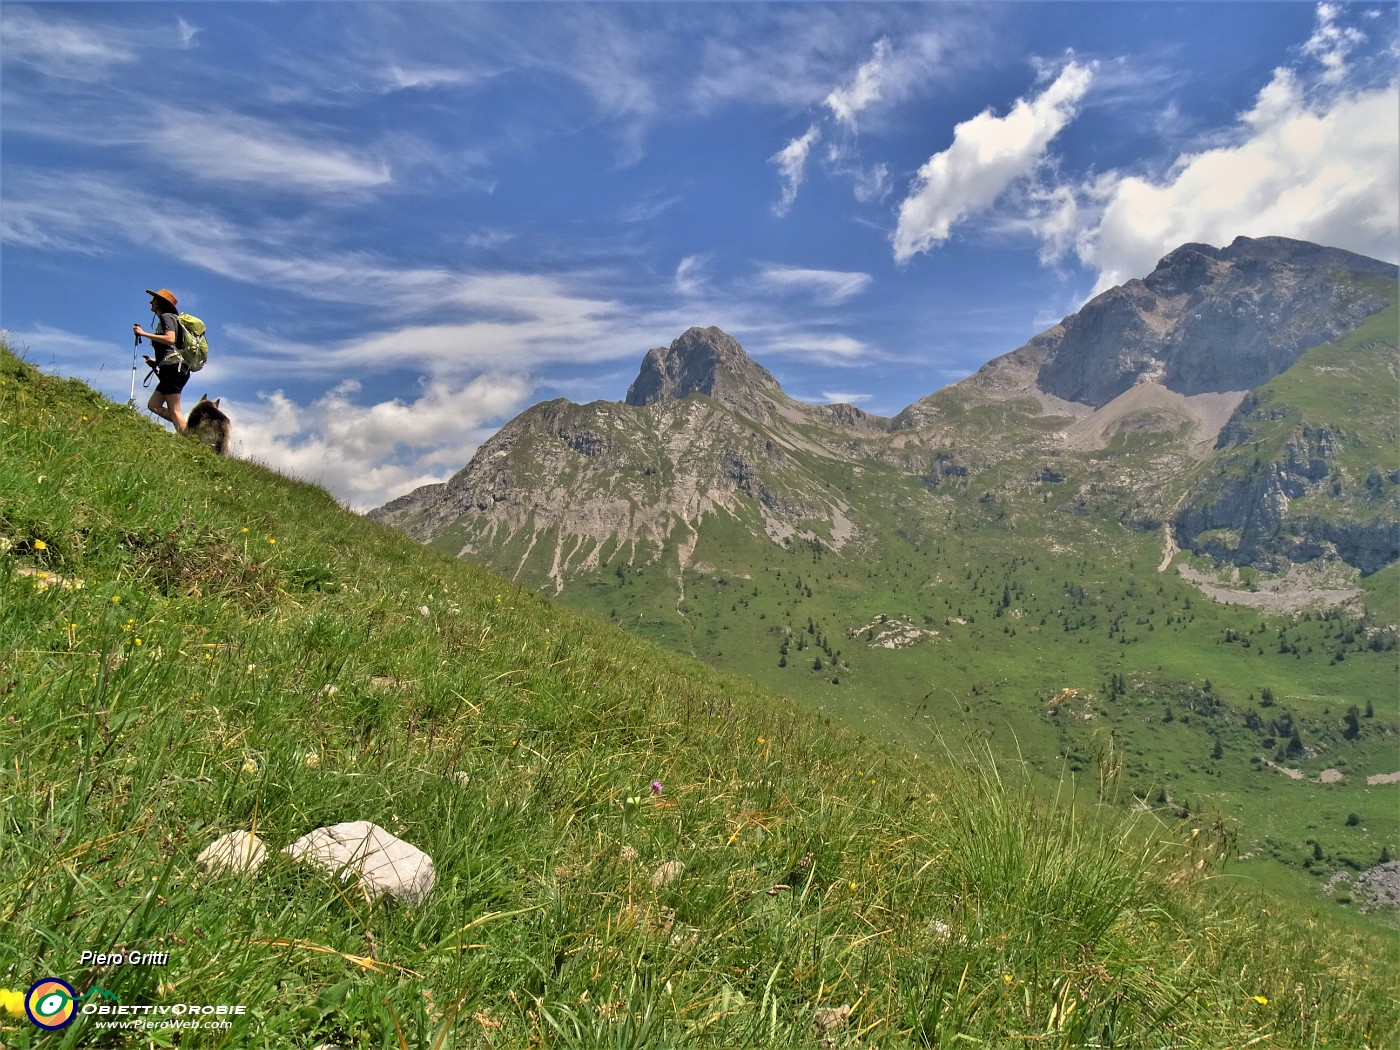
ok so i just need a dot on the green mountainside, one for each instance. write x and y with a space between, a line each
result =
1184 584
631 849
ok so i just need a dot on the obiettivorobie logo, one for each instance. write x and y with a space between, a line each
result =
52 1003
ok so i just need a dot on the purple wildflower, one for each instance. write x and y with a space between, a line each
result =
656 787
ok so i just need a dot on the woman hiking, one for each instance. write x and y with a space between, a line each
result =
171 373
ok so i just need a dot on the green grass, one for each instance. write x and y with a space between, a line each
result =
214 647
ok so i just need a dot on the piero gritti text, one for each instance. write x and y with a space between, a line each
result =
124 959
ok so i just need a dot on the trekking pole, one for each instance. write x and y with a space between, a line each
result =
131 399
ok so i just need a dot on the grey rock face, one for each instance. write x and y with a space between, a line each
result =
1212 319
705 361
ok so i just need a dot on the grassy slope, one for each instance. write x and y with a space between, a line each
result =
215 647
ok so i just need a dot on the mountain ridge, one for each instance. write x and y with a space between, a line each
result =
1167 358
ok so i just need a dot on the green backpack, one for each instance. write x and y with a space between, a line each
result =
190 343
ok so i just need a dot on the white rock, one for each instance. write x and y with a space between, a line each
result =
385 865
667 873
238 851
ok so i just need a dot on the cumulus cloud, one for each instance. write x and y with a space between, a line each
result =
1322 170
792 166
368 454
988 155
828 286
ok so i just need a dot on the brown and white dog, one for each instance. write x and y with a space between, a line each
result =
209 425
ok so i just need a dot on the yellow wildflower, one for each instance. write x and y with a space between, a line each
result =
11 1003
1262 1000
245 530
116 598
1006 978
271 540
40 545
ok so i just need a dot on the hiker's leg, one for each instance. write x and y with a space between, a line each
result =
172 403
165 402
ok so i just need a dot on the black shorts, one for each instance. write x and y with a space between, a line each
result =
171 379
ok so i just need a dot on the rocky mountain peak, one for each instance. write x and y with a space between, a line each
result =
705 361
1211 319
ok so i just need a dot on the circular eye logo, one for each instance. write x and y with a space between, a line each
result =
50 1003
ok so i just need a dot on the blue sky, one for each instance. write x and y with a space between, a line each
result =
404 223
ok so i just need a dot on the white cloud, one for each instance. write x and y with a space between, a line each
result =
225 147
836 397
792 166
185 32
58 47
1324 170
690 275
367 454
1331 43
394 77
872 184
828 286
988 154
820 348
847 102
891 74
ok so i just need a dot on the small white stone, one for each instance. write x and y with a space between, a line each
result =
831 1017
238 851
667 873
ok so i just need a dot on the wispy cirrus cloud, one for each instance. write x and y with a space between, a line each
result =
827 286
59 46
231 148
792 166
864 87
1331 43
690 278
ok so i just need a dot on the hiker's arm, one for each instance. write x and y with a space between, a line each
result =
164 337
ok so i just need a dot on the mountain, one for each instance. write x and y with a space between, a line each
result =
1170 358
1156 544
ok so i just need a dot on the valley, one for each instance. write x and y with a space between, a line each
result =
1175 593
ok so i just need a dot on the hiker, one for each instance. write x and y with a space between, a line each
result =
170 370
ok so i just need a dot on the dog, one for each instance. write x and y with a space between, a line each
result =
209 425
